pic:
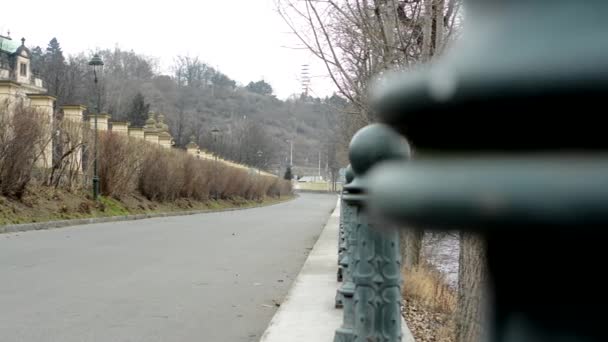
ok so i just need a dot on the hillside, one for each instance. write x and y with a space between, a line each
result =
254 126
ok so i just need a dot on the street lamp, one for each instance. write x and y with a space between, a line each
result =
260 154
215 133
97 63
290 152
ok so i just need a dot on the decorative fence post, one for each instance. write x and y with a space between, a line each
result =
345 248
376 261
531 184
344 295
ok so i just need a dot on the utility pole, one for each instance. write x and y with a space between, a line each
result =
319 165
290 152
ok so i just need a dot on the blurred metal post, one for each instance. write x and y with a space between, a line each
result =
345 246
376 260
532 184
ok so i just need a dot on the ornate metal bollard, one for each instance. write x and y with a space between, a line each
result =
375 263
532 185
344 245
346 292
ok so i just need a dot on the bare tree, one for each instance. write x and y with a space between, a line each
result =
67 165
23 142
359 40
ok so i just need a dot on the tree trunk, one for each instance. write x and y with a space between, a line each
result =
439 25
472 277
411 246
427 30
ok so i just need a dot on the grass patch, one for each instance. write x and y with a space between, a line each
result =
43 204
112 207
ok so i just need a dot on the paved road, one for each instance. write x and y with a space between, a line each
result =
209 277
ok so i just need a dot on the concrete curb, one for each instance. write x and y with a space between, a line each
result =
317 192
307 312
17 228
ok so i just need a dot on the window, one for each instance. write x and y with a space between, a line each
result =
23 69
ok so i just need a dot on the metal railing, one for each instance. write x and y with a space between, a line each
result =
369 256
500 163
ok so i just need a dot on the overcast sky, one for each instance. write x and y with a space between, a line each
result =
245 39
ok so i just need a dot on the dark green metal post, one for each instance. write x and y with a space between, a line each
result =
498 158
345 294
375 266
344 247
97 64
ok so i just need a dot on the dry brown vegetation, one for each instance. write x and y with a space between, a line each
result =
167 174
128 168
22 142
430 304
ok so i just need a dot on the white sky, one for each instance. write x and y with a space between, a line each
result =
245 39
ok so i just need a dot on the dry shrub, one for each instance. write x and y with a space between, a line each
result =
69 144
22 144
197 179
430 304
125 165
279 187
429 287
156 180
168 174
119 161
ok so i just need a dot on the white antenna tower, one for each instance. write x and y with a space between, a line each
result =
305 79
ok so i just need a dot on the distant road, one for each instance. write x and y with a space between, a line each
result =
209 277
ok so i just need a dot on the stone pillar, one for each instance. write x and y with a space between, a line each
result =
164 139
73 113
102 121
120 127
150 129
192 148
151 136
8 95
73 130
136 132
43 104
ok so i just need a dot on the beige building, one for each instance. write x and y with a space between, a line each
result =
16 76
18 85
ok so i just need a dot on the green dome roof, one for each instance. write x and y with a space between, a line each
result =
8 45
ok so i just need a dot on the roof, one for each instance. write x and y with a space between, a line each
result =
8 45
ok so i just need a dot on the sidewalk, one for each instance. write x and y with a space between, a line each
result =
307 313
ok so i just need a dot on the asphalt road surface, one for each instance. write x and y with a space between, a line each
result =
211 277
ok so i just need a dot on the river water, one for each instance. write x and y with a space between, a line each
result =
441 250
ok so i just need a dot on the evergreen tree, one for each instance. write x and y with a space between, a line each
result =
37 61
288 175
138 111
53 71
260 87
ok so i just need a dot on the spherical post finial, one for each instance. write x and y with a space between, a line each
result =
375 143
349 174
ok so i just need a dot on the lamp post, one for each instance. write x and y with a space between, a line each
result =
290 141
260 154
215 133
97 63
